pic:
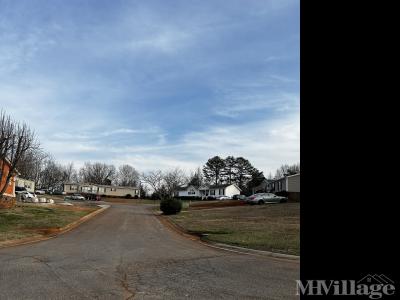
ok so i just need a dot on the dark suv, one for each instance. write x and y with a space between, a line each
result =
238 197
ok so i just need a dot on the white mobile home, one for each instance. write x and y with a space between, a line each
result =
209 190
220 190
188 191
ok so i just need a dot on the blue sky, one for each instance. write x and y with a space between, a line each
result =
156 84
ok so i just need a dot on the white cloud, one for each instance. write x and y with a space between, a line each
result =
168 41
267 144
241 102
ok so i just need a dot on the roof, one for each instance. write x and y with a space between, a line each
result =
184 188
103 185
297 174
218 186
274 180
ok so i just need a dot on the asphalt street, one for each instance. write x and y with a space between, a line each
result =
126 253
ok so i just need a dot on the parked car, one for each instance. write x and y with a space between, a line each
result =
57 192
25 196
77 197
262 198
40 192
239 197
19 189
222 197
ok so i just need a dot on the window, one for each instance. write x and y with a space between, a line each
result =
191 192
101 190
212 192
113 189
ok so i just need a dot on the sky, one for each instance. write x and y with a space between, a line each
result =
155 84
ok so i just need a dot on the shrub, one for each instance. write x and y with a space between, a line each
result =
128 196
171 206
136 197
7 202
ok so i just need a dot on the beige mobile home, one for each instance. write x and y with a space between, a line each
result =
103 190
29 185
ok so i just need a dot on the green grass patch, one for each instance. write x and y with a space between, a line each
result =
274 227
26 220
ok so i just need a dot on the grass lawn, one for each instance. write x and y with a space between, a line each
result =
271 227
26 220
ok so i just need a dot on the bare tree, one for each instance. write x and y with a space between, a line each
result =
70 173
53 175
286 169
155 179
98 173
127 176
31 165
144 190
173 179
15 140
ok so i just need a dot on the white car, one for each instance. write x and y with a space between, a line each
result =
40 192
25 196
223 198
46 200
77 197
262 198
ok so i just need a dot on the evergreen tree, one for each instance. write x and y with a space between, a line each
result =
213 169
229 170
196 179
244 171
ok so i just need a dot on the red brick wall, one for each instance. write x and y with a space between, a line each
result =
10 191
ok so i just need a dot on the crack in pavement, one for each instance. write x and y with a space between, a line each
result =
123 280
43 261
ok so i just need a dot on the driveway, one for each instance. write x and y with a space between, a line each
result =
126 253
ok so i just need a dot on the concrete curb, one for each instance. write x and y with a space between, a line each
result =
253 251
62 230
180 230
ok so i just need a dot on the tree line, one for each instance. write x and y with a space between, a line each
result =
216 171
44 170
21 148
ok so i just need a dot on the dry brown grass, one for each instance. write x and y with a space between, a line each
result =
26 220
272 227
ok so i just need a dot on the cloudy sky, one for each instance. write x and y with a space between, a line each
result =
156 84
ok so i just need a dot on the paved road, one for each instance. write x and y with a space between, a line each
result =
126 253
